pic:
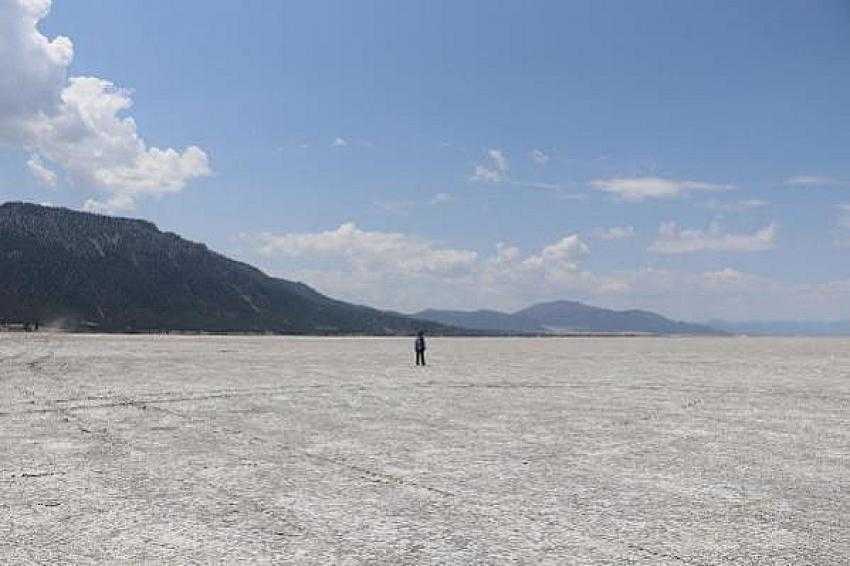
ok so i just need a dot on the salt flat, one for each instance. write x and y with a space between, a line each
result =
308 450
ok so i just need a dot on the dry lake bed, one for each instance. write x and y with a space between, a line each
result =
173 449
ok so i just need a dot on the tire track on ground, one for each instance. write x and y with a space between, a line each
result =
118 444
377 476
362 472
179 396
257 505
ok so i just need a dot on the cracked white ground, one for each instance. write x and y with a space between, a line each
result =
570 451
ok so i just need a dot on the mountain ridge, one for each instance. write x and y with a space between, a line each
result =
90 271
563 317
85 271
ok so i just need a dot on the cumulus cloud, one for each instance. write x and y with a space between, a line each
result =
539 157
339 142
567 252
493 170
641 188
403 272
77 123
614 233
675 240
32 67
42 174
400 271
365 250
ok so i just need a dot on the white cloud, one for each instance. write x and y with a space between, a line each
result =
494 169
675 240
614 233
115 204
339 142
499 159
399 271
442 198
539 157
641 188
367 251
402 272
569 249
76 123
42 174
32 67
811 181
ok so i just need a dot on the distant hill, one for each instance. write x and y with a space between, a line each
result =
570 315
87 271
784 328
565 317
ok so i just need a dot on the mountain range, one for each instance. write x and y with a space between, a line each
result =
565 317
85 271
82 271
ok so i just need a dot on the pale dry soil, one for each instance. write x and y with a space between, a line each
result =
167 449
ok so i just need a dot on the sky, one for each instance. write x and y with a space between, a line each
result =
691 158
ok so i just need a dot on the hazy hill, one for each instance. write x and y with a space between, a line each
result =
784 328
570 315
566 316
115 274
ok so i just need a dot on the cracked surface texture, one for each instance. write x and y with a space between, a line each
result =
338 450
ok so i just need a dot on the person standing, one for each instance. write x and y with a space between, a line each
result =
419 348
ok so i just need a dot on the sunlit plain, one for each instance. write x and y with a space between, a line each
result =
563 450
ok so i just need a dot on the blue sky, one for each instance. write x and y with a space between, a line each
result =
692 158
